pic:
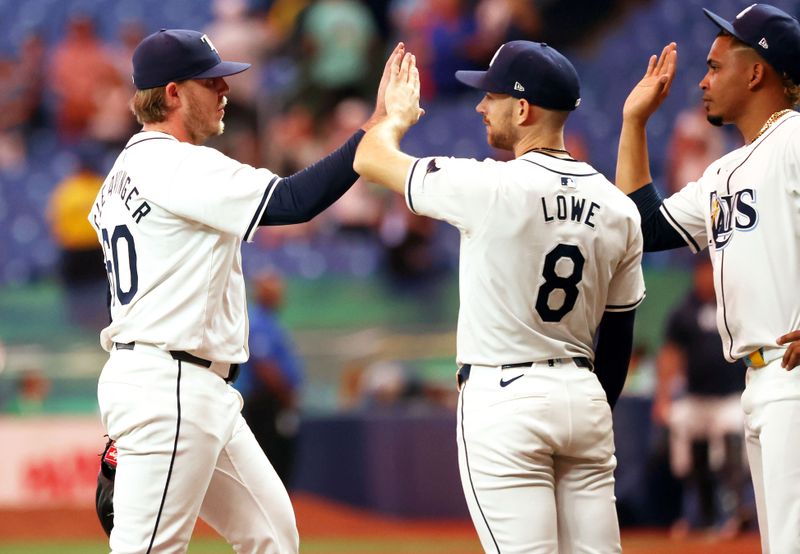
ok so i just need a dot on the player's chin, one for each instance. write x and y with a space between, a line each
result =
715 119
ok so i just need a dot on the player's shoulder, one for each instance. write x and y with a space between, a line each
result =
616 199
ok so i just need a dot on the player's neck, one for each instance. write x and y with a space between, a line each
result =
549 143
170 128
755 121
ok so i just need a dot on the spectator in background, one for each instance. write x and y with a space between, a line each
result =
111 123
692 148
81 266
33 388
21 107
339 40
21 86
698 398
82 75
358 213
271 378
242 36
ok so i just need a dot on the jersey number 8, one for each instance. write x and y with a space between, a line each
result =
553 282
121 264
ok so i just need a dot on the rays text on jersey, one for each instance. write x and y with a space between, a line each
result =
569 208
730 213
119 184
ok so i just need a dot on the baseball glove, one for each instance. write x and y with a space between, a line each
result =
104 497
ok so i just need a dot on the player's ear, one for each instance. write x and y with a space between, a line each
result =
522 111
172 94
756 75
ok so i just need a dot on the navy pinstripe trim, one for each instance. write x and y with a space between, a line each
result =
724 305
261 206
171 461
408 185
687 237
151 138
561 172
469 473
623 307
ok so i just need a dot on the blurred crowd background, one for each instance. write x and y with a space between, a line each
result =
355 311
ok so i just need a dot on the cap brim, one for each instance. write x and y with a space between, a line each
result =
722 24
477 80
223 69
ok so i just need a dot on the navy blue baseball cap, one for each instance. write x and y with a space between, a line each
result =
771 32
531 70
178 55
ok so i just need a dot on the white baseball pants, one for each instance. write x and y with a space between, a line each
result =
702 417
537 460
185 451
771 404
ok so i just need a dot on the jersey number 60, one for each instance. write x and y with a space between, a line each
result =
553 281
121 262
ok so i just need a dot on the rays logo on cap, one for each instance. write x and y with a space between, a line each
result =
744 11
208 42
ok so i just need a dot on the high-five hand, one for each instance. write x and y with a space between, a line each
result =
650 92
402 92
380 102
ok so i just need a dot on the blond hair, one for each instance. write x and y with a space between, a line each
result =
150 105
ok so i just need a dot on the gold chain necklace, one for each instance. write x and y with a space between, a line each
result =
772 119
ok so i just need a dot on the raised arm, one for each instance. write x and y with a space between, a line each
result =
300 197
633 163
379 158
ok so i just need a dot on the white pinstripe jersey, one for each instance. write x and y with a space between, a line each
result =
547 245
171 217
746 210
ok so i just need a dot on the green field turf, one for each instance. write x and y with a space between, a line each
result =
318 546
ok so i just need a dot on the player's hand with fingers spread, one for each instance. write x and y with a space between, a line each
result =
650 92
380 103
791 358
402 93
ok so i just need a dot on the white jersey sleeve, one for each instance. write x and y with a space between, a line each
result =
626 288
455 190
685 212
206 186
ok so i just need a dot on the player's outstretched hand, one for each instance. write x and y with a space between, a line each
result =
650 92
791 358
380 102
402 93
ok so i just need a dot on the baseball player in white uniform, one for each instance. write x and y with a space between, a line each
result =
746 209
171 217
550 276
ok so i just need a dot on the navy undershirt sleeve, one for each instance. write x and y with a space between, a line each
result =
307 193
612 353
658 234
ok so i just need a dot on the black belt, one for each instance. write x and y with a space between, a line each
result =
183 356
580 361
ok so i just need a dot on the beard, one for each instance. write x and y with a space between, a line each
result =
200 125
501 136
715 120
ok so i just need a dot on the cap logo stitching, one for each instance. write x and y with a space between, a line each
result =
208 42
763 43
518 86
744 11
